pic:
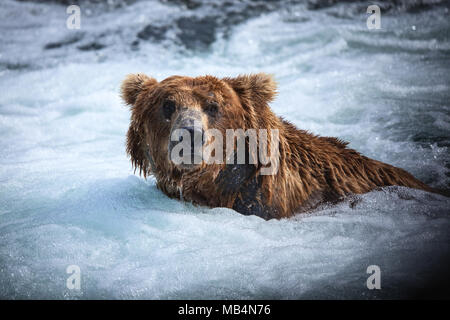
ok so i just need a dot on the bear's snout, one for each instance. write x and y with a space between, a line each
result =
197 136
186 140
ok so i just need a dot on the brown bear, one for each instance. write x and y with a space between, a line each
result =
310 169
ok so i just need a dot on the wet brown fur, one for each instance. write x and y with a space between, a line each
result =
312 169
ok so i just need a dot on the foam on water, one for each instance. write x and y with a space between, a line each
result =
68 194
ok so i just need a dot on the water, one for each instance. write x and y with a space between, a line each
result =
68 194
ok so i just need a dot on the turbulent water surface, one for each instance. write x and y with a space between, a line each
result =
68 195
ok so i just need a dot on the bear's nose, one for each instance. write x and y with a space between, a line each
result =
196 134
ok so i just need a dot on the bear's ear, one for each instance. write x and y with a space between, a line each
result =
133 85
256 89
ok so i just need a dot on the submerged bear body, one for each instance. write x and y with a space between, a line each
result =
304 170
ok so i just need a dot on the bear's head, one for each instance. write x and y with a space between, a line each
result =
163 112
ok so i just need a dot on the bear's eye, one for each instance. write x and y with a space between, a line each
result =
168 109
211 107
